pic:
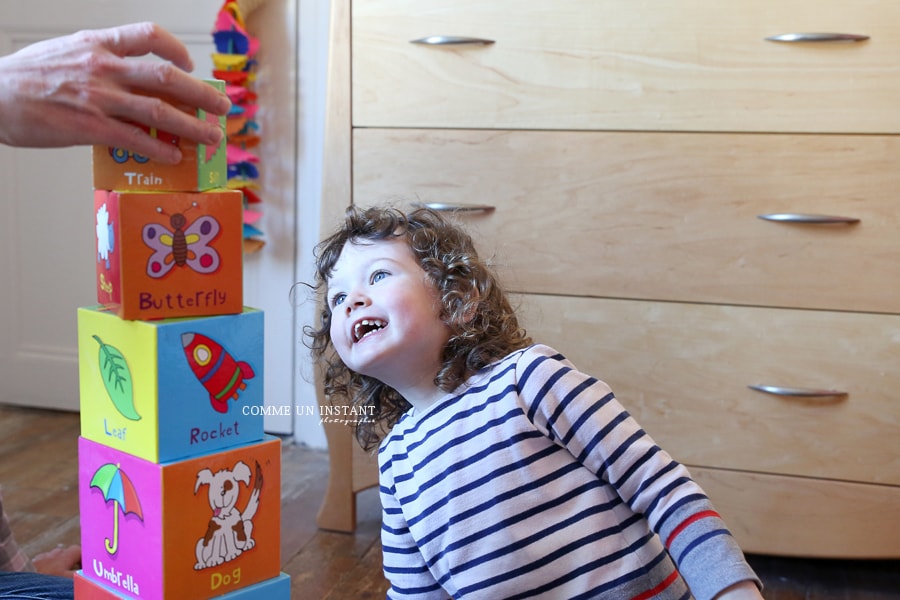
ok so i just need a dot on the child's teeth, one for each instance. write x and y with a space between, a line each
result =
376 324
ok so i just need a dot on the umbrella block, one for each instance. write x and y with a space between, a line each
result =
197 528
174 388
172 254
202 167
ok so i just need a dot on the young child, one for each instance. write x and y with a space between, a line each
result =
504 471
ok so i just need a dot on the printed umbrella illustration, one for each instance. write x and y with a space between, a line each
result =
116 486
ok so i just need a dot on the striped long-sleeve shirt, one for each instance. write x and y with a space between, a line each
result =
532 481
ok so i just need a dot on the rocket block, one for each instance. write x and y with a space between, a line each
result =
174 388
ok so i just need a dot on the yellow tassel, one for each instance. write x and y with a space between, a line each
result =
248 6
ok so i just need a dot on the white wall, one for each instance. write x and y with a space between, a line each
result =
313 62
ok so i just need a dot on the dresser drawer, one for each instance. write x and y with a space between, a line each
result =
668 216
683 371
696 65
799 516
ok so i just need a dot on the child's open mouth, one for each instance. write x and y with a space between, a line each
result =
365 327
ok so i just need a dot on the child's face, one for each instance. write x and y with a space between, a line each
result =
385 320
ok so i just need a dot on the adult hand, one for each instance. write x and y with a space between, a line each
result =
59 561
80 89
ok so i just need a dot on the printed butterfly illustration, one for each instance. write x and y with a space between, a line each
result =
182 245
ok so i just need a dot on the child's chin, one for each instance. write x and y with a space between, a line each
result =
362 358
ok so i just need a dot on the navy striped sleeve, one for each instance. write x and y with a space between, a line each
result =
582 414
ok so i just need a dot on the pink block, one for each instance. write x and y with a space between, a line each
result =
198 528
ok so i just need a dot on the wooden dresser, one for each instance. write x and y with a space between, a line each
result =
626 153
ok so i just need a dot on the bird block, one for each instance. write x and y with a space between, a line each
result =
172 254
202 167
197 528
165 390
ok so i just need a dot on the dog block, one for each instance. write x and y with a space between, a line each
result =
169 254
169 389
202 166
196 528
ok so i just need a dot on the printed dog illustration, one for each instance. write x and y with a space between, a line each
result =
230 531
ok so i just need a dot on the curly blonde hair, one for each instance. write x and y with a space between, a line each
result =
483 323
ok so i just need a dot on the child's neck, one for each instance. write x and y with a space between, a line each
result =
421 395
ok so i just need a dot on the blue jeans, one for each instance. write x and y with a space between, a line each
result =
35 586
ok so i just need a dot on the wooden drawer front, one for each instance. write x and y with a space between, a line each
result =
793 516
683 370
697 65
661 215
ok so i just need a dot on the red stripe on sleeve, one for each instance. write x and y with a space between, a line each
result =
692 519
666 583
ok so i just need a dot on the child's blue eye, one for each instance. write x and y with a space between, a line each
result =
378 276
337 299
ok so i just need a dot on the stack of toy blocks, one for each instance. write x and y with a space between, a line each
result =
179 487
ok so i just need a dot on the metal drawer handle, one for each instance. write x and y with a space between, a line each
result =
809 218
451 40
800 38
797 392
444 207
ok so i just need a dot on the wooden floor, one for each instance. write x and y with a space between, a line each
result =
38 472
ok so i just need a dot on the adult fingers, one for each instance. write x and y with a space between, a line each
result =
139 39
163 80
73 556
154 112
155 77
118 134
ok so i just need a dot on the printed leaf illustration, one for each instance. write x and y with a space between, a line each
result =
117 380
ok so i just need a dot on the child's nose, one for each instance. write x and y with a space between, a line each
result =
356 300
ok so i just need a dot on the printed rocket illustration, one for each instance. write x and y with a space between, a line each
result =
218 371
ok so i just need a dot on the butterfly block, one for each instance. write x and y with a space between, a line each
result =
202 166
169 389
198 528
173 254
277 588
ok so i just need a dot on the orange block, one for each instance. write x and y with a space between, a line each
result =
173 254
202 167
198 528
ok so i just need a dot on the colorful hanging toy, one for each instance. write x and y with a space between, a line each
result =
234 62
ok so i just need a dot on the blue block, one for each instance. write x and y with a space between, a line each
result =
277 588
171 389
